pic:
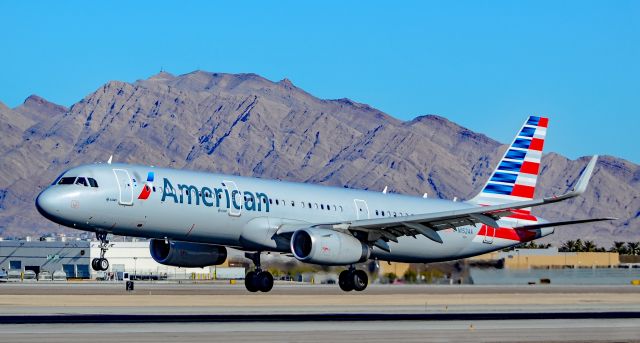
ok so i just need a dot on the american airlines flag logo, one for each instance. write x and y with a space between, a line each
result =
515 177
148 185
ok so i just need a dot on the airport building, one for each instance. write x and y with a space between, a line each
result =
74 259
551 258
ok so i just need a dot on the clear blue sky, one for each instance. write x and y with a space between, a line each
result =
485 65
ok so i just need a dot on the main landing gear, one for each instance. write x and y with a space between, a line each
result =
101 264
258 280
353 279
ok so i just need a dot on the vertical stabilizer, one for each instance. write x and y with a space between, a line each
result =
515 177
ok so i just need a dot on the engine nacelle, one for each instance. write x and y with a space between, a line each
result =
327 247
186 254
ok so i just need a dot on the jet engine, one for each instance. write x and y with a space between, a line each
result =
186 254
327 247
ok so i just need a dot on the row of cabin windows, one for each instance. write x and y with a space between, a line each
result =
280 202
82 181
390 213
310 205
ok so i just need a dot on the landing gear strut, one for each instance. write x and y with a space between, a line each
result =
101 264
353 279
258 280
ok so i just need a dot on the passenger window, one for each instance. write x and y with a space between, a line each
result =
82 181
394 214
293 203
328 207
309 205
321 206
376 212
340 208
271 201
93 182
383 213
67 181
277 202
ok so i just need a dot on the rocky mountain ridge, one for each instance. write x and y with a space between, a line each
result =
247 125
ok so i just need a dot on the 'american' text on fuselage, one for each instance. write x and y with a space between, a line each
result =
192 195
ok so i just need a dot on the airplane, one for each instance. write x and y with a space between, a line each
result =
192 217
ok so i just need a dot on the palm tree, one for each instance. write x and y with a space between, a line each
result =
568 246
578 246
634 248
589 246
619 248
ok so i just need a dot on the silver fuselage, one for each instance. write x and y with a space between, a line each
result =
245 213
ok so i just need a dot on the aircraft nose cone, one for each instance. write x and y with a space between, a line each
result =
46 204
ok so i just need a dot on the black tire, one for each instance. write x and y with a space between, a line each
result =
103 263
345 281
94 264
250 282
264 281
360 280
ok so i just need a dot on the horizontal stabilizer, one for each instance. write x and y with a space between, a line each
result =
568 222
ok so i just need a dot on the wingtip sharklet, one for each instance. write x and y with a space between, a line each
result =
581 186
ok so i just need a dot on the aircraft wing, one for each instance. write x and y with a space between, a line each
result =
382 230
428 224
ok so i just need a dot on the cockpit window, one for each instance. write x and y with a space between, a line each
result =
67 180
82 181
93 182
55 182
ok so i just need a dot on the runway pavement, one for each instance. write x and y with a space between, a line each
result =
167 312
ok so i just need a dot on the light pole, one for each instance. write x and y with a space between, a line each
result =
135 266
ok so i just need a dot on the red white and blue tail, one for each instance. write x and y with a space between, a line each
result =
515 177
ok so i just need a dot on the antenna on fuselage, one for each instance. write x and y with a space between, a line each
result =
110 159
455 199
384 191
425 195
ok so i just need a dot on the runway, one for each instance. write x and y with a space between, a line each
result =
589 330
310 317
165 312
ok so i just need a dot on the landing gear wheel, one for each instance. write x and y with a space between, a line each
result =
100 264
345 281
264 281
103 263
257 280
360 280
250 282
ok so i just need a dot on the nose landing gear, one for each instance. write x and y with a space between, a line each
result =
101 263
353 279
258 280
